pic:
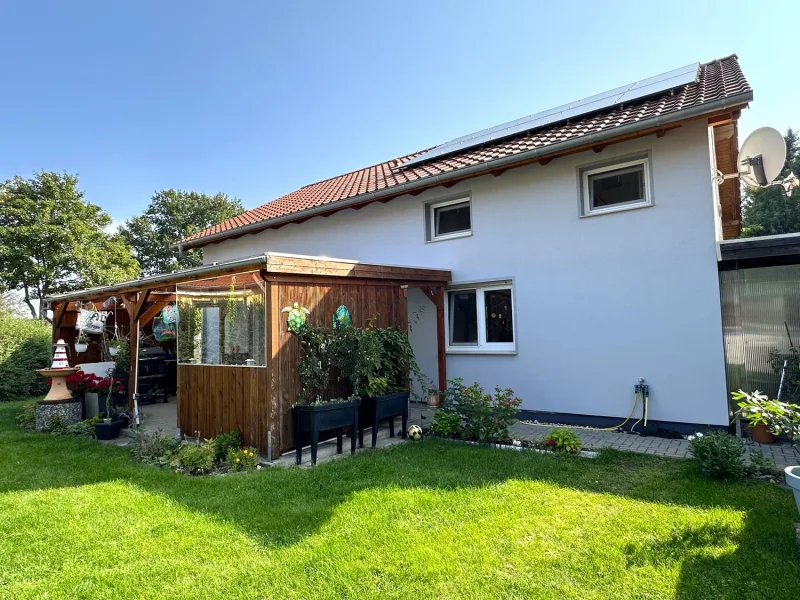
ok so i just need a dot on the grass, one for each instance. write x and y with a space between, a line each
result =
417 520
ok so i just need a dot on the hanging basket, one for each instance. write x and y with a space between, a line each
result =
164 332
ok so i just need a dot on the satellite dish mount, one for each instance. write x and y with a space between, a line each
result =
761 161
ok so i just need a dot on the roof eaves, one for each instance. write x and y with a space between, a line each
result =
602 134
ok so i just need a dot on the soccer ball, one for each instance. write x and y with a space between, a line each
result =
415 432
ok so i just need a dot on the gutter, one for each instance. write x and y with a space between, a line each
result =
507 161
164 277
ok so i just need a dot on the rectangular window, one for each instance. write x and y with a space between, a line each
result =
222 321
449 219
616 187
480 319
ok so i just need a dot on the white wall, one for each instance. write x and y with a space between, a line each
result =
600 301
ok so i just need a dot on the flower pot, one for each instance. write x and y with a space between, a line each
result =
793 481
113 350
107 430
434 400
315 419
762 435
374 410
91 404
79 348
122 422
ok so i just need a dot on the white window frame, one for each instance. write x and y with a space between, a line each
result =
431 208
482 347
588 211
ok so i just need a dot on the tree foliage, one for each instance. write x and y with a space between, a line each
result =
53 241
767 211
171 216
24 347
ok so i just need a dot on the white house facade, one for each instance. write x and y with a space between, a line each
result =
573 277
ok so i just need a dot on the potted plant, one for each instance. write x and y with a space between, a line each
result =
767 418
109 428
379 363
315 412
434 398
81 342
114 347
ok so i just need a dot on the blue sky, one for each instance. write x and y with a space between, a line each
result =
257 98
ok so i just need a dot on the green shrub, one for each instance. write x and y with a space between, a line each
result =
242 459
24 347
27 418
446 424
760 465
84 428
154 448
719 455
484 417
563 440
224 442
57 424
195 459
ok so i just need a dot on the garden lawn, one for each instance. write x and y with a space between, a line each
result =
417 520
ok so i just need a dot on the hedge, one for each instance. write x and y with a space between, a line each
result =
24 347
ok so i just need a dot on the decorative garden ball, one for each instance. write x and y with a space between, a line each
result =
415 432
297 316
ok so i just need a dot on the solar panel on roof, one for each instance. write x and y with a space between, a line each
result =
626 93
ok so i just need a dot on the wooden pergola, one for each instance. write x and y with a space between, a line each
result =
257 401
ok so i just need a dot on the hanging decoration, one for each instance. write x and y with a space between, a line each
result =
91 320
341 318
297 316
170 314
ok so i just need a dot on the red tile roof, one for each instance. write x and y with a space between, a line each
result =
719 79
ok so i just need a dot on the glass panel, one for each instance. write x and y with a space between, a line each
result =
463 311
617 187
499 321
222 321
452 218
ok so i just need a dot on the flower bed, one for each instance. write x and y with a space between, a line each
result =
223 454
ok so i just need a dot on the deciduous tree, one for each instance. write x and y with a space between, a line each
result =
171 216
53 241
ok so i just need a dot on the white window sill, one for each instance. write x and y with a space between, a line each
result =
616 209
481 351
450 236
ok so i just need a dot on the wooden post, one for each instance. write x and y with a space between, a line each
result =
440 337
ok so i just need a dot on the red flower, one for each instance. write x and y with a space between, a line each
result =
551 442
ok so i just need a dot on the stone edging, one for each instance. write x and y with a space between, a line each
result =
583 453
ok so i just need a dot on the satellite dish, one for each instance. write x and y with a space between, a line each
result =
762 157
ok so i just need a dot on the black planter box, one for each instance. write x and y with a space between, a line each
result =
107 431
375 410
315 419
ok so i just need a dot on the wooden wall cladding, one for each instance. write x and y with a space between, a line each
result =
218 399
364 299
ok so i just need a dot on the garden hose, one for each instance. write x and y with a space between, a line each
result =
633 408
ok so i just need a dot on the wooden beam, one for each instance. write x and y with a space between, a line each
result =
598 148
151 313
138 307
58 314
449 184
546 160
498 172
411 193
441 347
661 133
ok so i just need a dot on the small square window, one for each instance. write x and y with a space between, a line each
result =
450 219
481 319
616 187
